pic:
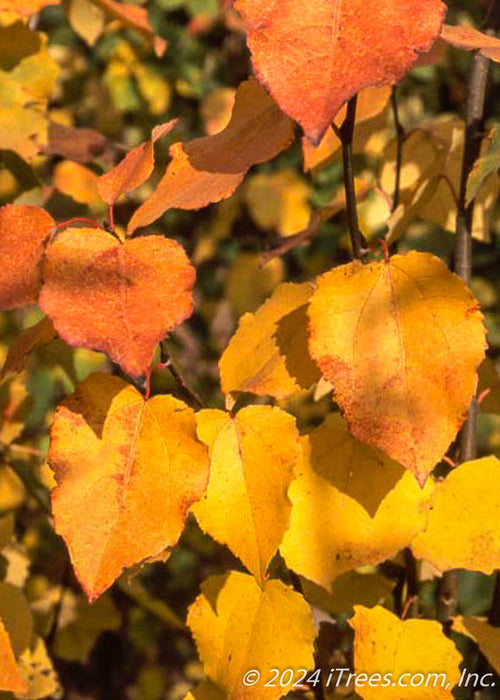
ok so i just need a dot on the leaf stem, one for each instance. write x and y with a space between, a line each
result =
190 394
346 134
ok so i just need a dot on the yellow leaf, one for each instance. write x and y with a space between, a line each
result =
409 651
349 589
78 182
463 525
484 634
24 90
153 87
12 491
87 19
246 505
400 340
345 501
249 282
431 167
127 472
10 674
25 343
38 672
279 201
206 691
216 108
16 617
15 402
268 354
239 626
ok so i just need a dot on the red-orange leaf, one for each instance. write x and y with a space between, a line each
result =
313 56
23 232
127 472
209 169
119 298
134 169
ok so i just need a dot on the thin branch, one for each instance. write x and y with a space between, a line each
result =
411 605
400 135
474 131
190 394
346 134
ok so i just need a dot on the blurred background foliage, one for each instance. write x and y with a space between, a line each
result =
70 65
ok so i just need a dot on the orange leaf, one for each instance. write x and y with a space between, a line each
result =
10 676
314 56
23 345
209 169
119 298
470 39
134 17
127 472
25 8
23 232
134 169
400 341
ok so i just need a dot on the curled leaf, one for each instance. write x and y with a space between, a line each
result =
134 169
209 169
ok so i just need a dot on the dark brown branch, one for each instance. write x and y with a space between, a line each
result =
346 134
189 393
411 605
474 131
400 134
